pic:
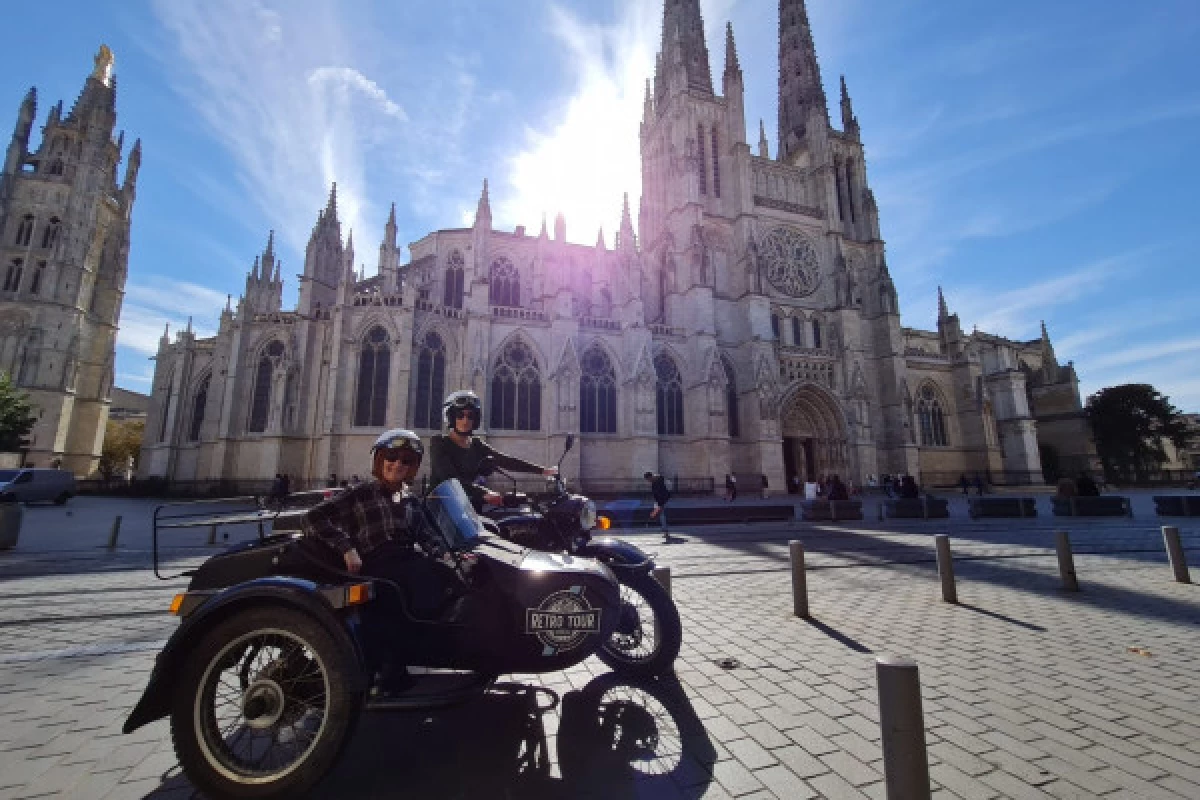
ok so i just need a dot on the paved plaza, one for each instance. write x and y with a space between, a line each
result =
1028 691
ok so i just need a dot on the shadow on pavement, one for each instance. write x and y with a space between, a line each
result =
838 636
614 738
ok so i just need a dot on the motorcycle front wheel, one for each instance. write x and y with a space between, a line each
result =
263 707
649 631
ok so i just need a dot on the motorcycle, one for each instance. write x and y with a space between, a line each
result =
267 674
649 633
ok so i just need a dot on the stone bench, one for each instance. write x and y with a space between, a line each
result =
1103 506
831 510
1002 507
926 507
625 516
1177 505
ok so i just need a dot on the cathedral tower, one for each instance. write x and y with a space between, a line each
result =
64 254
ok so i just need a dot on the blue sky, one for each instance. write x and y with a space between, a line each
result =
1035 159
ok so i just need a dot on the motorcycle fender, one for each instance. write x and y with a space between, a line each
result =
617 553
300 594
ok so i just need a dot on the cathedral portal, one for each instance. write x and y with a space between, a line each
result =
814 436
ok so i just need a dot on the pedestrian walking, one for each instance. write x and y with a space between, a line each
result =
978 484
964 483
765 487
662 496
730 487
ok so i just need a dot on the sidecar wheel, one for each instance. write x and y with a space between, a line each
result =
272 727
649 632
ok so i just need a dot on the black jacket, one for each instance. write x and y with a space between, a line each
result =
447 460
658 488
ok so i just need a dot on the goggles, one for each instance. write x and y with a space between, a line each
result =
469 413
463 401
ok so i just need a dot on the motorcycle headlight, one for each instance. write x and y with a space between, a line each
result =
587 516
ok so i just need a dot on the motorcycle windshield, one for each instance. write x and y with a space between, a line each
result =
453 515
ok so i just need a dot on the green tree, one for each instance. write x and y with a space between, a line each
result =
122 441
16 415
1130 423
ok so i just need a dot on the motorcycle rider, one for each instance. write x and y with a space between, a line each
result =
459 454
368 527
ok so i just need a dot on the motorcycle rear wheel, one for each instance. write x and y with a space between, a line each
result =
295 705
649 635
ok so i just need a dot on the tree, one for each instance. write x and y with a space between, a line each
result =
16 416
122 441
1130 423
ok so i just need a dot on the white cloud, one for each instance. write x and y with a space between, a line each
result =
154 302
348 79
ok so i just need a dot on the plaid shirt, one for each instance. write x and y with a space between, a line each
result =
361 518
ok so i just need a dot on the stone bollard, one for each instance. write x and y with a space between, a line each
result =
1175 554
799 580
663 576
902 725
1066 561
112 534
946 568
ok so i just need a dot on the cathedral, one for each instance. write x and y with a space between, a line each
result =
64 252
748 325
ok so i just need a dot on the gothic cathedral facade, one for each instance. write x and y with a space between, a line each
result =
750 326
64 253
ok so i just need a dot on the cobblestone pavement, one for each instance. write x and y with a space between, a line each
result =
1028 691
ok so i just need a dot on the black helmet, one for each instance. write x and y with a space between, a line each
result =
462 400
399 439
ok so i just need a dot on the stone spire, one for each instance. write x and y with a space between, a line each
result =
543 235
801 93
625 237
943 311
132 167
389 258
600 245
483 212
268 256
733 70
684 51
560 227
763 149
18 148
849 121
99 91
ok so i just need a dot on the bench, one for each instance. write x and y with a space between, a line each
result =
1103 506
1177 505
832 510
926 507
1002 507
626 515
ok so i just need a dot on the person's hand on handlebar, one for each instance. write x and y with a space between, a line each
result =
493 498
550 472
353 561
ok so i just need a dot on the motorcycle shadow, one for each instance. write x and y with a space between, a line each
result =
612 738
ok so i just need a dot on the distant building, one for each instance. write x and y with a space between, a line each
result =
750 326
64 253
128 405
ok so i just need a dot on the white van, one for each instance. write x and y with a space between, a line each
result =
33 485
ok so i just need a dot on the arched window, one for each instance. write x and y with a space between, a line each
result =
931 417
597 393
198 404
431 382
731 400
797 332
505 284
669 396
56 167
817 333
36 285
716 165
374 365
453 289
50 235
12 276
260 401
702 161
516 389
25 231
775 326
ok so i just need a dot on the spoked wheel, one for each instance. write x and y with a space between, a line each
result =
649 632
264 705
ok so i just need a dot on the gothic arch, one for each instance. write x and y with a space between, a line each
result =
515 387
814 423
933 415
436 324
373 320
522 335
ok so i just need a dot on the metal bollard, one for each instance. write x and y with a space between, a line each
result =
880 511
799 580
902 724
946 568
663 576
212 534
112 535
1066 561
1175 554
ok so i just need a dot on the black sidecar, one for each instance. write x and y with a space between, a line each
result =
267 673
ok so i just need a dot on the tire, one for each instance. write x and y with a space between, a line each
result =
62 498
291 661
626 652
